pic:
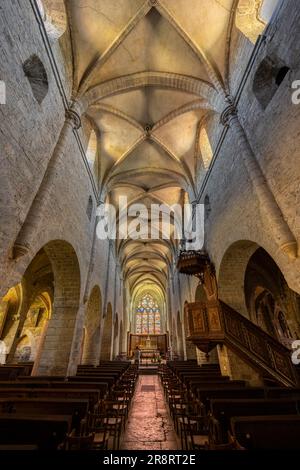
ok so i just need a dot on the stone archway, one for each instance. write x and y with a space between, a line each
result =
232 274
106 343
47 308
271 304
92 327
55 356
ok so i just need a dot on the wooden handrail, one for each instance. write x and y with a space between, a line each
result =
217 323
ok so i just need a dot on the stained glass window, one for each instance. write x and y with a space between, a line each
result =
147 316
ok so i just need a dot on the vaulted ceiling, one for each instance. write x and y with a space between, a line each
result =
149 73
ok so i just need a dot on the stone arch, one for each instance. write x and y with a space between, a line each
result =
56 354
271 303
54 16
232 274
92 327
116 336
106 342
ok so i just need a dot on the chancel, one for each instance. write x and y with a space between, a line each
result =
172 323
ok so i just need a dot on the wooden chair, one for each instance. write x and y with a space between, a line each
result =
197 433
74 442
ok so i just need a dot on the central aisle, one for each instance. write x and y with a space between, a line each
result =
149 426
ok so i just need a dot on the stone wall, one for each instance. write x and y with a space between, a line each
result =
29 133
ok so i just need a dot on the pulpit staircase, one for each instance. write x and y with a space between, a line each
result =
220 324
212 322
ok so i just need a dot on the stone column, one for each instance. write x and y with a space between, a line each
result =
36 211
3 314
237 369
283 234
40 348
22 317
75 352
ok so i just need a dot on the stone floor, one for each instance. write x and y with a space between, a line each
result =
149 426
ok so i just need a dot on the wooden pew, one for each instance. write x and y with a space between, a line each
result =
283 392
92 395
102 387
108 380
11 372
206 394
45 432
75 407
233 384
267 432
222 410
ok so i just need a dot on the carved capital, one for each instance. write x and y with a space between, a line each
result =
290 249
229 112
19 250
74 117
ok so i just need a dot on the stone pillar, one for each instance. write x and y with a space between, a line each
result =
75 353
3 314
61 350
233 366
91 262
277 224
40 348
32 221
22 317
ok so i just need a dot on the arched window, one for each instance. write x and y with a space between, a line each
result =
268 77
247 19
148 320
267 9
91 153
265 308
252 16
205 148
37 76
54 16
89 209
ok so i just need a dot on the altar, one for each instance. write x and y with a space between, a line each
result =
150 345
